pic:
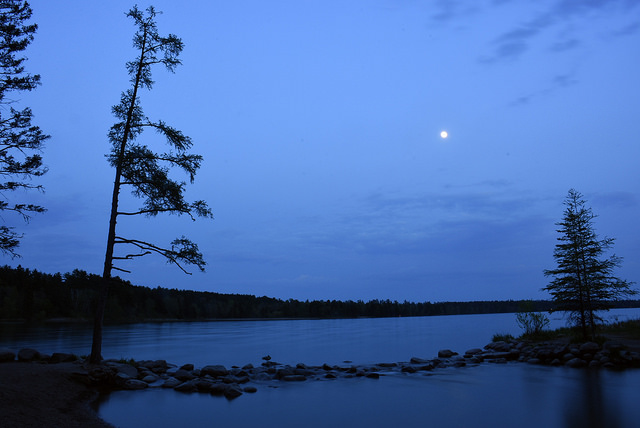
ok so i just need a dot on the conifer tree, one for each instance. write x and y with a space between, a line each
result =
20 140
145 171
583 281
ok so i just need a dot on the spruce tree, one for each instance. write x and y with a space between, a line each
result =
145 171
20 140
583 281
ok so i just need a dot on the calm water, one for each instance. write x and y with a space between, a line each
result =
487 395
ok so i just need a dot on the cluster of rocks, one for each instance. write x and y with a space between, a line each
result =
235 381
589 354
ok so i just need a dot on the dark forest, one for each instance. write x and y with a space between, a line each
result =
30 295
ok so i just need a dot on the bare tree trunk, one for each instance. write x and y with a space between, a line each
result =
96 346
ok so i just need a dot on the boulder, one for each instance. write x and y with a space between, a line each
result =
576 362
187 367
250 389
218 389
127 369
203 385
473 351
499 346
188 386
6 355
232 391
416 360
156 366
61 357
150 378
28 354
589 348
285 371
372 375
171 382
293 378
446 353
183 375
214 370
133 384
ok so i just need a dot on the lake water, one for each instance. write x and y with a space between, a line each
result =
486 395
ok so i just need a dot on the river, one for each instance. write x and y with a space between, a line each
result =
487 395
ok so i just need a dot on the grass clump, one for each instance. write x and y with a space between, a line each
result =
502 338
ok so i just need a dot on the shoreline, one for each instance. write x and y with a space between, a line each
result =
54 391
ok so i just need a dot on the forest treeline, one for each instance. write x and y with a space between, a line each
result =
31 295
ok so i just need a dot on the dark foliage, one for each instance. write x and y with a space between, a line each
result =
583 281
20 140
31 295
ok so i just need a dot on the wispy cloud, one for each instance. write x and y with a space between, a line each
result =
514 42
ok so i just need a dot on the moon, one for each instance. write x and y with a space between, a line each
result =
444 134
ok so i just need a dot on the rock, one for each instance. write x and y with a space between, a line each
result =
187 367
203 385
576 362
372 375
122 378
218 389
387 365
127 369
171 382
183 375
408 369
594 364
426 367
533 361
247 366
446 353
496 355
232 392
294 378
150 378
6 355
499 346
60 357
285 371
263 376
188 386
589 348
28 354
416 360
250 389
304 372
156 366
133 384
473 351
330 376
214 370
101 375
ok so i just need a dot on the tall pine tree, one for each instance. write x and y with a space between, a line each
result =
20 141
583 281
145 171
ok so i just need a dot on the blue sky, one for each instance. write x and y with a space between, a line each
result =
319 123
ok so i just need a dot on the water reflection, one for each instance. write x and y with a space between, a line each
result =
592 406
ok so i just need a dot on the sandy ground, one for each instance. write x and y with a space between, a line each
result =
44 395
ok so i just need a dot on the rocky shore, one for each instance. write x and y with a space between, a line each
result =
234 381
